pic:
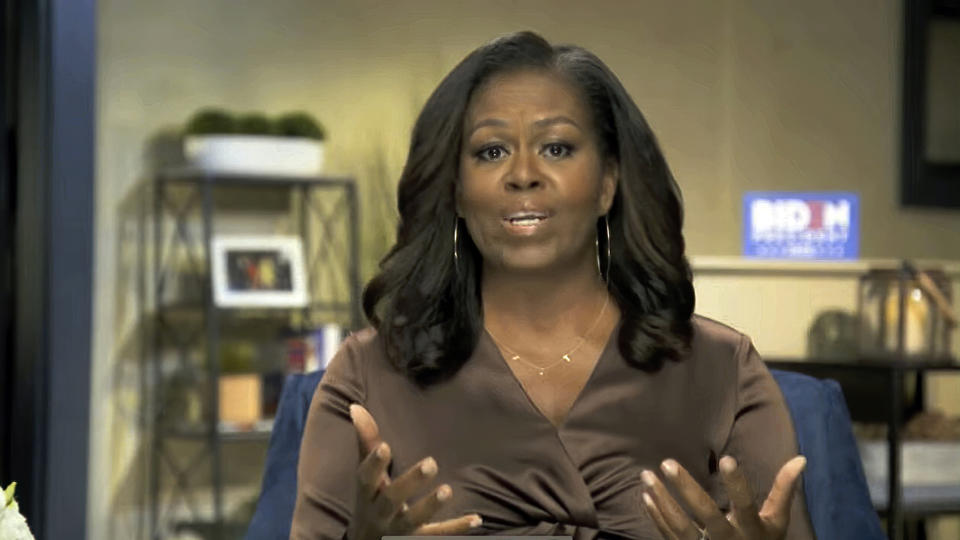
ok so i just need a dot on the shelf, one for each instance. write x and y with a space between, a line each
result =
198 309
739 266
241 463
260 432
238 507
136 337
245 318
867 384
244 436
210 530
864 363
197 176
920 501
177 212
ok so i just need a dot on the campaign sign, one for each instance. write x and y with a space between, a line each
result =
801 225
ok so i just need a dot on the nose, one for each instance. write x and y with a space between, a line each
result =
523 174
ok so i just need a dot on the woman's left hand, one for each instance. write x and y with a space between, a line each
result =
743 522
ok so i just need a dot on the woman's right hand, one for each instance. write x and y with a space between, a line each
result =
381 507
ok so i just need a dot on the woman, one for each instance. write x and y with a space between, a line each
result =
534 365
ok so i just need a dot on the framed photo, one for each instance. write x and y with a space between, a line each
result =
259 271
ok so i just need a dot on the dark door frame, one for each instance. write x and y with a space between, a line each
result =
7 97
54 134
923 183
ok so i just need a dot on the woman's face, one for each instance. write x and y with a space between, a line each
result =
532 180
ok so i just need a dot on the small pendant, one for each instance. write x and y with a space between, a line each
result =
541 372
515 358
567 358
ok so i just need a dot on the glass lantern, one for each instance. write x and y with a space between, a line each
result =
905 314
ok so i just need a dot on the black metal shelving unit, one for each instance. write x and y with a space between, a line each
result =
186 465
870 380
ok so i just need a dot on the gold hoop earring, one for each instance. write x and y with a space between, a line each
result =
596 244
456 256
606 223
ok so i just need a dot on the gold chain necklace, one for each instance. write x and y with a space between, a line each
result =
514 357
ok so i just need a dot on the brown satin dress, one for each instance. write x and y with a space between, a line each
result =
524 476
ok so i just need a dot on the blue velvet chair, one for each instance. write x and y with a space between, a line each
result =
271 520
834 484
835 487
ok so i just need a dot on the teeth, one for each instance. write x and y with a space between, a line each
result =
526 220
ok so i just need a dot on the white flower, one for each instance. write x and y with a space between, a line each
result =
13 526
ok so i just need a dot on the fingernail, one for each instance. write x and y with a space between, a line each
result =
383 451
647 499
648 478
728 465
443 493
428 467
669 467
475 521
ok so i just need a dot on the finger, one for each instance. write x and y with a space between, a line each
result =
676 519
776 509
657 517
404 486
372 473
744 515
368 435
367 431
451 526
424 509
699 502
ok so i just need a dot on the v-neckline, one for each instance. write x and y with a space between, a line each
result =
604 352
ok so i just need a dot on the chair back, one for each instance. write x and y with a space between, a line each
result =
278 494
834 485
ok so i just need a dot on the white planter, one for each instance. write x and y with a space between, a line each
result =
255 154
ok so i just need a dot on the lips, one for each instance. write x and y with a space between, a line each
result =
526 221
526 218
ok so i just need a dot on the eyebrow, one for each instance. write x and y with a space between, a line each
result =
542 123
554 120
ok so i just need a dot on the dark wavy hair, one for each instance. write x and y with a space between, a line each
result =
426 305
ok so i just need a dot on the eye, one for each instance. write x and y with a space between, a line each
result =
491 153
557 150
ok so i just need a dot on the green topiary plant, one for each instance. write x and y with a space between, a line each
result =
255 124
299 124
215 121
211 121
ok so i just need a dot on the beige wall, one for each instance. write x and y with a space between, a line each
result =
743 95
